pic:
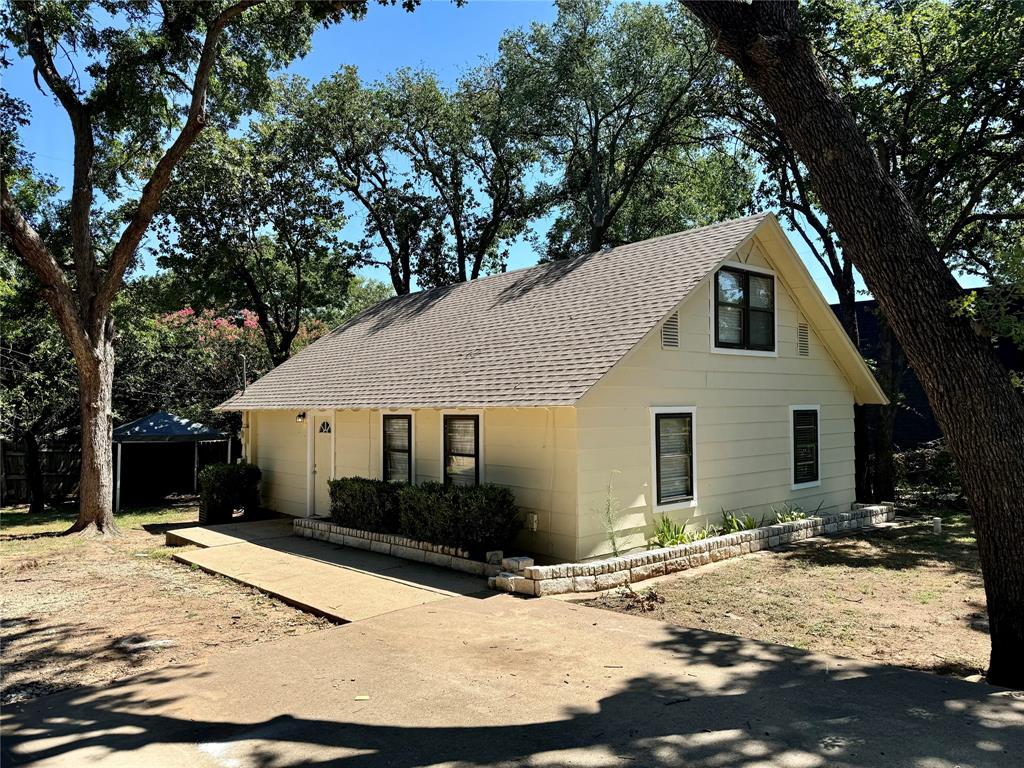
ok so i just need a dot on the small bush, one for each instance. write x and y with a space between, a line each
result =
731 523
369 505
223 488
474 518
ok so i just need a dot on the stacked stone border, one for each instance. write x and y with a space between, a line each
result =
396 546
520 575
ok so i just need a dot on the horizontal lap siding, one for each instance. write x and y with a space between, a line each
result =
530 450
742 426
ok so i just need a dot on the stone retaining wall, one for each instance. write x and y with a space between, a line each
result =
519 574
596 575
396 546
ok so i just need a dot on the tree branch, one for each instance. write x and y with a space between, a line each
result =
154 189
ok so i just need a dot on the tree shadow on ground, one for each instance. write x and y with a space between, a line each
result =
776 706
29 643
906 547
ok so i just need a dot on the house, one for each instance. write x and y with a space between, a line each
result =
681 376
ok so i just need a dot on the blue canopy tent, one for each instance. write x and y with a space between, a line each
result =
163 427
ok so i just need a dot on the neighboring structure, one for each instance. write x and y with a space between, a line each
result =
168 441
688 374
913 422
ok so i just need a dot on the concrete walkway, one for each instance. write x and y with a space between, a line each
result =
512 682
341 584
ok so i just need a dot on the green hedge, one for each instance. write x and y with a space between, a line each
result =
223 488
477 519
369 505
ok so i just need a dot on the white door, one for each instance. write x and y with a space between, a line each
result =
323 461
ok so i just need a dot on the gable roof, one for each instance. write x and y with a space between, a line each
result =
534 337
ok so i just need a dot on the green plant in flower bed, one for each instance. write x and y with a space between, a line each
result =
223 488
788 513
668 533
731 523
474 518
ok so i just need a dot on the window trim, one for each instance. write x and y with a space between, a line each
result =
412 443
713 303
479 415
795 486
685 503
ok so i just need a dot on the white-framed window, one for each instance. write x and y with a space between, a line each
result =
744 317
462 453
397 445
673 457
805 445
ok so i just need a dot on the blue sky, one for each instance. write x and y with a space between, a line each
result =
439 35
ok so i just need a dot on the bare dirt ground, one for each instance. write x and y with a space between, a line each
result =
900 596
79 611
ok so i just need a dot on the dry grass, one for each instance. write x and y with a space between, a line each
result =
901 596
80 611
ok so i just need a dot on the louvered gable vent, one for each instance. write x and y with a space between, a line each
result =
670 332
803 340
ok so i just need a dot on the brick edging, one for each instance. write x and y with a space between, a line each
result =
596 575
390 544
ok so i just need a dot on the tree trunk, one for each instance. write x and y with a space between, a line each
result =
96 483
889 372
861 435
34 476
970 392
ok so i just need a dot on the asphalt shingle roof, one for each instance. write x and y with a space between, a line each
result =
534 337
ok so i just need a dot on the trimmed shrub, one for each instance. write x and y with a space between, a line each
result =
476 518
369 505
223 488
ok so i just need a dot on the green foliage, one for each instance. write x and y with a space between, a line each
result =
787 512
475 518
621 99
440 174
934 85
223 488
732 523
929 469
369 505
250 221
610 515
668 533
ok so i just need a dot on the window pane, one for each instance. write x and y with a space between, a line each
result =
397 466
730 325
805 446
675 452
461 435
396 433
761 292
762 330
461 470
730 287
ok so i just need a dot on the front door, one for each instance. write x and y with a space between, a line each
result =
323 461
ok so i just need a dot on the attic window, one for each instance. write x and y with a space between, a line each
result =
803 340
744 310
670 332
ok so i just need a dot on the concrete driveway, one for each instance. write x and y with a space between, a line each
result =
511 682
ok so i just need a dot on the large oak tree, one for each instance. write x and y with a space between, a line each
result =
977 406
138 80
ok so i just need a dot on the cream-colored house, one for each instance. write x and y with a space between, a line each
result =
690 373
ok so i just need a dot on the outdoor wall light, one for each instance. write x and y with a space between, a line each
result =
300 417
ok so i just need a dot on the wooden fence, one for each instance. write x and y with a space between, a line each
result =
60 465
